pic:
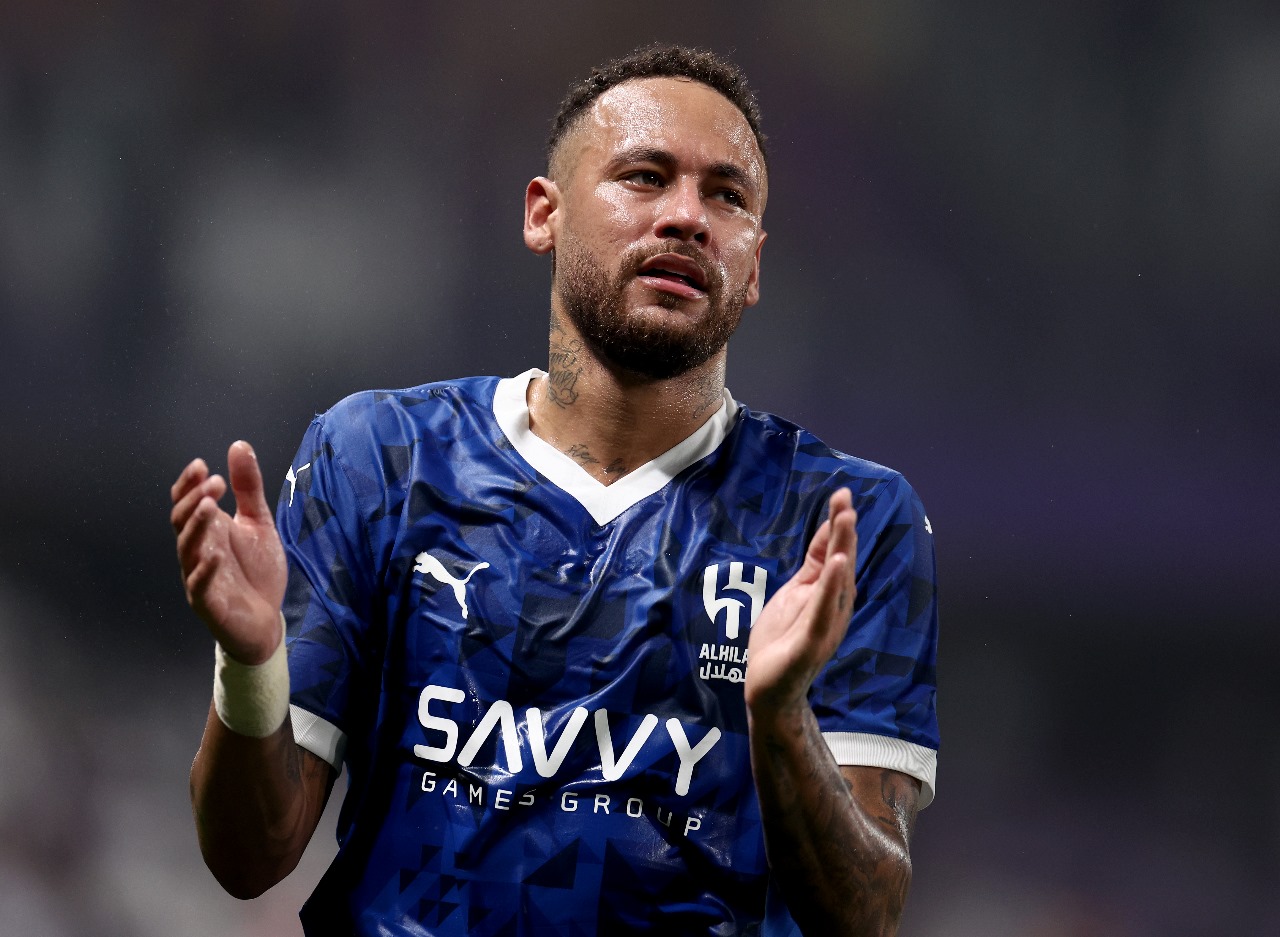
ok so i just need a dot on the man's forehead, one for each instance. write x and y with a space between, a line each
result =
665 112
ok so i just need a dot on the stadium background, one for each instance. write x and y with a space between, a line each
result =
1027 254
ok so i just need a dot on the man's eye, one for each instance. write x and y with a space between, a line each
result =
732 196
644 177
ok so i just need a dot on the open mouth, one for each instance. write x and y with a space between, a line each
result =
674 273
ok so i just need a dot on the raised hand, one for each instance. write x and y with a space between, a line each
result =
233 568
802 625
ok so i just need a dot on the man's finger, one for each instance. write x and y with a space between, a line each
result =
844 532
246 482
844 523
816 554
196 539
195 473
199 585
834 599
213 487
836 588
832 536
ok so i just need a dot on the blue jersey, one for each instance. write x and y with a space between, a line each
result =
534 680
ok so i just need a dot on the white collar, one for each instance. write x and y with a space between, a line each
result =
602 502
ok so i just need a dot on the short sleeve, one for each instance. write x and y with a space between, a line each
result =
329 596
876 700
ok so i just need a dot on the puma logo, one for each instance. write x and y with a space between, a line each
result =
426 563
292 478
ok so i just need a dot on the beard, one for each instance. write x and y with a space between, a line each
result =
595 305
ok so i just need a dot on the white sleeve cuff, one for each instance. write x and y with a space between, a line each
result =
318 736
881 751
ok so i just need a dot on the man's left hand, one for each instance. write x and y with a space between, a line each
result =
800 628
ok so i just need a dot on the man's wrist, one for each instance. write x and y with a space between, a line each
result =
252 699
780 722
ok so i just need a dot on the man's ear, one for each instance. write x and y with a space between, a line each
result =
753 282
541 215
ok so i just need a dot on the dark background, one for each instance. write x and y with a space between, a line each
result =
1025 253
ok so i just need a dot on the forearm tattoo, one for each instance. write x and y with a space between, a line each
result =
840 859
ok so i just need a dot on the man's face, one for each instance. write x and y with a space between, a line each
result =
658 234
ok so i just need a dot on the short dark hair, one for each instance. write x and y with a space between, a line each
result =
659 61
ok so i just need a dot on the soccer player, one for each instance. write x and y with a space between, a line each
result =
602 650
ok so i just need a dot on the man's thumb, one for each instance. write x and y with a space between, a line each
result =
246 482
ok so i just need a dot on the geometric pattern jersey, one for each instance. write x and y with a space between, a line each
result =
535 686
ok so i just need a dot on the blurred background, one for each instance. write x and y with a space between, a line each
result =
1026 254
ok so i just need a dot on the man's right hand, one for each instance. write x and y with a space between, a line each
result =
256 801
233 568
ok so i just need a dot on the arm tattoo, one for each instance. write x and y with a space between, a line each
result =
838 850
292 761
902 808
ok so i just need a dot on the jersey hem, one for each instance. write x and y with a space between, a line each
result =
881 751
318 736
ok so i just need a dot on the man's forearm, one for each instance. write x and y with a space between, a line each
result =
256 803
843 869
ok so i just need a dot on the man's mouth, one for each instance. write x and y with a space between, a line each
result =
674 273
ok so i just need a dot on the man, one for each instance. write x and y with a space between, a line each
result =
587 641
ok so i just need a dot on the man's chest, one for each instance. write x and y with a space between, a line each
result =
546 611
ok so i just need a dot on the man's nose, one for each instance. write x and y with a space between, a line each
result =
683 214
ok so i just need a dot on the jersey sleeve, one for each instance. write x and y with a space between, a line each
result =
328 601
876 700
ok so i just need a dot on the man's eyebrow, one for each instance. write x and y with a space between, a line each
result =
735 174
644 154
666 159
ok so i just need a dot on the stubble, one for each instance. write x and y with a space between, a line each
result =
647 346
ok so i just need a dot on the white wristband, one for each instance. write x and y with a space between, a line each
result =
252 699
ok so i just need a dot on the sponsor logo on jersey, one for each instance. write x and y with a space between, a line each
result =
467 791
531 735
292 478
722 660
426 563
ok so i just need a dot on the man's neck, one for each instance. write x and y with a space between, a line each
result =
612 423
